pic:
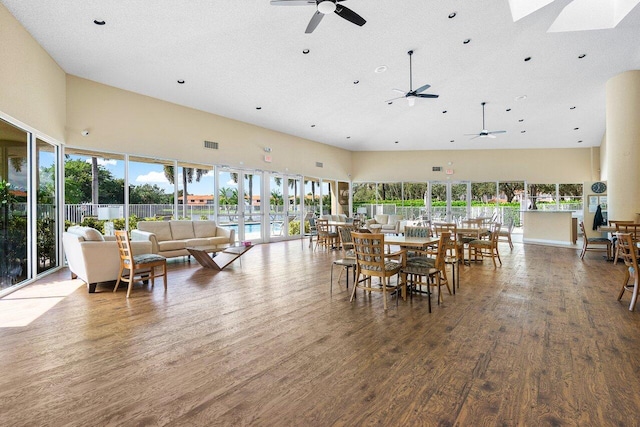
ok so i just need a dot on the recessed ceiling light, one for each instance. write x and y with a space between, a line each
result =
444 112
355 82
98 22
521 97
580 142
390 102
522 131
452 15
582 55
181 82
576 128
305 51
572 108
380 69
508 109
258 108
313 126
527 59
396 142
466 41
348 137
453 140
521 120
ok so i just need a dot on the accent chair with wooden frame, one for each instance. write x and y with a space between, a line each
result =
504 234
594 243
627 250
625 227
487 247
139 267
422 269
326 237
372 261
348 259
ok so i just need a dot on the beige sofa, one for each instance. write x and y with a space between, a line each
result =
384 223
171 238
94 258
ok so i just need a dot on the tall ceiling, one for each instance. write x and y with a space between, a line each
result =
244 59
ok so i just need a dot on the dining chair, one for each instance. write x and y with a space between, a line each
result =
372 261
487 247
418 231
348 260
140 267
313 230
594 243
624 227
326 237
422 269
504 234
456 249
627 250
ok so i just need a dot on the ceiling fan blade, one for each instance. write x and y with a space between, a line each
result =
471 134
349 15
393 99
422 88
497 131
292 2
399 91
490 136
313 23
477 136
426 95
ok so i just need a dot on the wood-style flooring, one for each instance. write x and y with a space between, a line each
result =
541 340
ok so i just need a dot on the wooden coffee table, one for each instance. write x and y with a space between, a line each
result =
223 257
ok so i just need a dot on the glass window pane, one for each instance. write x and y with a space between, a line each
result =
541 196
14 171
277 206
46 212
312 195
228 198
198 201
84 195
151 186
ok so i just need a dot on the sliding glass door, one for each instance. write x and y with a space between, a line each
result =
449 201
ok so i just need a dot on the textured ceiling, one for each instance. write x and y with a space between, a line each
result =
235 56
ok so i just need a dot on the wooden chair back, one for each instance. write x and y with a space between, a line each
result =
370 253
629 227
417 231
346 241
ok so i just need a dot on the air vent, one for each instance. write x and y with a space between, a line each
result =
319 165
436 169
210 144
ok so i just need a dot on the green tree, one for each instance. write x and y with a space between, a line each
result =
148 194
78 184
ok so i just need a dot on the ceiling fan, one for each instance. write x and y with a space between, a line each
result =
323 7
411 95
484 133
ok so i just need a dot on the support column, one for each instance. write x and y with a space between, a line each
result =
623 145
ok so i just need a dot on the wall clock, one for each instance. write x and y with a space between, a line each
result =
598 187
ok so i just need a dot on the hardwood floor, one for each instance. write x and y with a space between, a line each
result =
541 340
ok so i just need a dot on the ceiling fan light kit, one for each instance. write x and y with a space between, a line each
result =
412 94
326 7
484 133
323 7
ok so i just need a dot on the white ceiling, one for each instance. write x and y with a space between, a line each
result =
236 55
